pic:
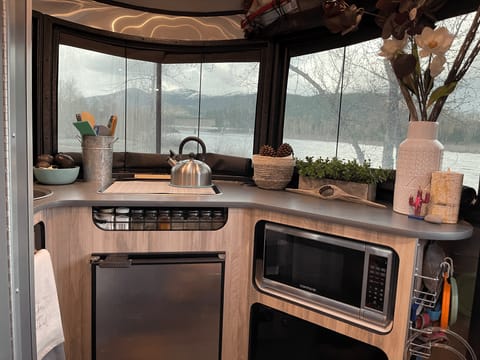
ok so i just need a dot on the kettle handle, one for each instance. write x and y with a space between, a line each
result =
193 138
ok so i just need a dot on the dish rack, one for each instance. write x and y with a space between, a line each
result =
425 299
422 339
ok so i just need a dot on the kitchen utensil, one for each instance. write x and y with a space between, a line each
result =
446 298
41 193
447 266
84 128
431 268
102 130
453 301
330 192
85 115
112 124
190 172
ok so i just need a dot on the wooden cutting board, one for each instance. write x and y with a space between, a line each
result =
155 187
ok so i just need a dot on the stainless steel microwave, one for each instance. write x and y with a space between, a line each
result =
320 270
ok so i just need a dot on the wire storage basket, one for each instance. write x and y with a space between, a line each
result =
272 173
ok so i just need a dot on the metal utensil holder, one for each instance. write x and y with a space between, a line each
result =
426 299
420 349
97 159
424 349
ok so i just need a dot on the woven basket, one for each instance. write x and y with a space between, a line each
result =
272 173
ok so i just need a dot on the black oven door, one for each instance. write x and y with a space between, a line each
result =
280 336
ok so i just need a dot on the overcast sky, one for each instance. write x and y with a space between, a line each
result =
100 74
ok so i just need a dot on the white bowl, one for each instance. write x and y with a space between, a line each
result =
55 176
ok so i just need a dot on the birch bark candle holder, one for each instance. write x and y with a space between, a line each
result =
445 194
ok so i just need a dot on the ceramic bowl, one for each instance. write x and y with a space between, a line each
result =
54 176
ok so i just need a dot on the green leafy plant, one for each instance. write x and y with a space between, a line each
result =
345 170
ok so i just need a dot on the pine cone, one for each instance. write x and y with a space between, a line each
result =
284 150
267 150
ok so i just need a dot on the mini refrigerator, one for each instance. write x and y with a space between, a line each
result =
157 306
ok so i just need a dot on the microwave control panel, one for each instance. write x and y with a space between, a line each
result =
376 282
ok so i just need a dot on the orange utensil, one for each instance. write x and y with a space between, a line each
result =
446 297
112 124
85 115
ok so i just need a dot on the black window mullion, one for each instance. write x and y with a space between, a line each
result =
262 124
271 97
278 96
158 103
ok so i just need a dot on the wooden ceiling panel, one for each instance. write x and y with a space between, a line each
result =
187 7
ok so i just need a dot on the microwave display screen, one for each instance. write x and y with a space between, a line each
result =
321 268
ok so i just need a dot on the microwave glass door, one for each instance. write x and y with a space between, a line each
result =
322 268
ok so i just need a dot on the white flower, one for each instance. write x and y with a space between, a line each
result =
436 66
412 14
435 42
391 47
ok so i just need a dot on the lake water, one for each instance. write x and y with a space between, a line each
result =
242 144
466 163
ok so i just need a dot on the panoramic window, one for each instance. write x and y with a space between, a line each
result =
158 105
346 103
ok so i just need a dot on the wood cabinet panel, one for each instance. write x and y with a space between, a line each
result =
71 238
391 339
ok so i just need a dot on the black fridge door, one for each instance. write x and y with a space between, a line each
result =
157 306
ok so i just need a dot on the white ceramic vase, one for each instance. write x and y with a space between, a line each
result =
417 157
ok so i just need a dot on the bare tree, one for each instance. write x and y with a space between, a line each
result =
356 74
393 122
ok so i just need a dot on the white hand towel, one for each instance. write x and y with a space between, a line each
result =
47 310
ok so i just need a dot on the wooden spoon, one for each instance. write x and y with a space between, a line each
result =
330 192
85 115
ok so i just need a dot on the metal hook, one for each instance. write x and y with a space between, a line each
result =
446 268
449 260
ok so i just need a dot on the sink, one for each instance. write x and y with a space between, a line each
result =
41 193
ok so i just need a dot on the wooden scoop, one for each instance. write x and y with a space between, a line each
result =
85 115
331 192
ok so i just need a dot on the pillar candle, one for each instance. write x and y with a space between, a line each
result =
445 194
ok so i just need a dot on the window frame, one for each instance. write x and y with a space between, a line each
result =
274 52
51 32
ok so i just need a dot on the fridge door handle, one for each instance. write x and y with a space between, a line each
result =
112 261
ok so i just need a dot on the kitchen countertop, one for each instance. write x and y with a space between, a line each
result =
238 195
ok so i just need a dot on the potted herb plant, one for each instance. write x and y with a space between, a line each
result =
355 178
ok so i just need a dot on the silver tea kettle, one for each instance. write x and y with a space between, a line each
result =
190 172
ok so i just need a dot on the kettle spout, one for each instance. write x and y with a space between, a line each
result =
171 160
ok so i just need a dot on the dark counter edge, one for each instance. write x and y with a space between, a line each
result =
238 195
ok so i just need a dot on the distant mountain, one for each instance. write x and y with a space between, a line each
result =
363 115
